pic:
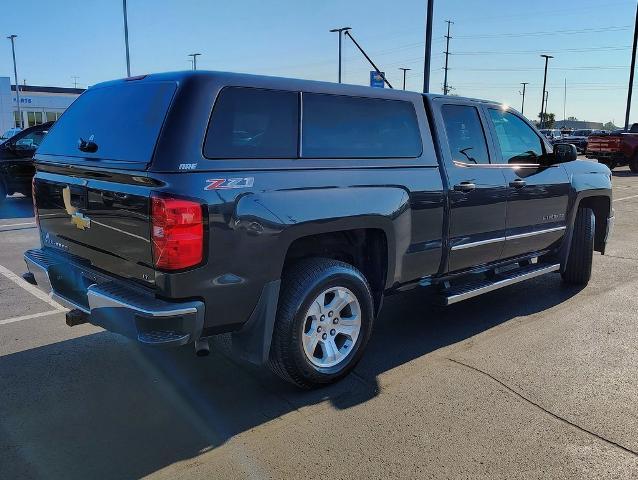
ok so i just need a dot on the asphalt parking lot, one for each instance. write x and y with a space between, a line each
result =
534 381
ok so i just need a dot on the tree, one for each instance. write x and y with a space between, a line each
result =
548 120
610 126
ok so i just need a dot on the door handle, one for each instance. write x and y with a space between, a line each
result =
464 187
518 183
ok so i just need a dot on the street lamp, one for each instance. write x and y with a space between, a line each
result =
404 70
128 58
340 31
546 57
194 55
15 73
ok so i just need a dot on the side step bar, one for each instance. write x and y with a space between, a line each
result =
463 292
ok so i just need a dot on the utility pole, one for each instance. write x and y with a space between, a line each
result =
75 81
15 74
194 55
128 58
340 31
428 47
565 103
546 57
404 70
631 73
348 34
523 102
447 54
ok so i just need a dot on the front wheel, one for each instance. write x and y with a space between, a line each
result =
581 253
323 324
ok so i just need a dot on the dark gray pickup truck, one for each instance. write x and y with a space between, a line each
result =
174 207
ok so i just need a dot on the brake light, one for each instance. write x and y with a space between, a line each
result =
177 233
35 206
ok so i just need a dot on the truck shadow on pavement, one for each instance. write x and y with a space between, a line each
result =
100 406
16 207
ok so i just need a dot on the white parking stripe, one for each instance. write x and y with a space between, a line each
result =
625 198
28 317
17 224
33 290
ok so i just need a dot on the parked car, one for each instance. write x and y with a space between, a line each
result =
16 164
230 211
579 138
10 133
552 134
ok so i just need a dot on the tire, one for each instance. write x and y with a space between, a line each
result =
579 262
299 323
633 164
3 192
611 164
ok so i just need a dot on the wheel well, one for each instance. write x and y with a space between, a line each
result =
364 248
601 207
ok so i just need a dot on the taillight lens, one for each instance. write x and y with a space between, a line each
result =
35 206
177 233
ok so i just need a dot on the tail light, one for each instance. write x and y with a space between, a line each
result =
35 206
177 233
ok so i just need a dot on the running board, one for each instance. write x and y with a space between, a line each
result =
463 292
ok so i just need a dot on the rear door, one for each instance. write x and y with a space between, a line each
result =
537 195
478 191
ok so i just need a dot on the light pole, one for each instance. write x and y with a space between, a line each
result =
523 102
546 57
631 73
340 31
194 55
128 58
404 70
428 47
15 74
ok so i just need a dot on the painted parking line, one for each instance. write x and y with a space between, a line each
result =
625 198
28 317
30 288
17 224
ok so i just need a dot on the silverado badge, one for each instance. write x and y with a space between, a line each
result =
78 219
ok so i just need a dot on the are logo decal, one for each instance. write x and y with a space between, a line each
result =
229 183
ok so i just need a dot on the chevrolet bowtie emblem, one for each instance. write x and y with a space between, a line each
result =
78 219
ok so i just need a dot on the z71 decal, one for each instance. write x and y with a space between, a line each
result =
229 183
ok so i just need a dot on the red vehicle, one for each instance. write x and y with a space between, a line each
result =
616 148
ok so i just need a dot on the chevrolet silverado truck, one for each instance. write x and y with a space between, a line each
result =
615 149
282 211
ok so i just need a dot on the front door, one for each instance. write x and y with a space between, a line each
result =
477 190
537 195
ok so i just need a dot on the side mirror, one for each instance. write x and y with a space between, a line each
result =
565 152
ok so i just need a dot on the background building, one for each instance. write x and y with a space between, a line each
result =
37 104
578 124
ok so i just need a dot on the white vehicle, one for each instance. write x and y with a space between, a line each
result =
10 133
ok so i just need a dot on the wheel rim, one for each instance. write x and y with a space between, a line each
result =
331 328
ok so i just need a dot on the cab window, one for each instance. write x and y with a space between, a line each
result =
516 139
465 134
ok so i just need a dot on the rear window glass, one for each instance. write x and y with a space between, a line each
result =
337 126
253 123
123 120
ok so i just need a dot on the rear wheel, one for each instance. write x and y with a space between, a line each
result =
579 262
608 162
633 164
323 324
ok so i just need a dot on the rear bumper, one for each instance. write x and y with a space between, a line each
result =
115 305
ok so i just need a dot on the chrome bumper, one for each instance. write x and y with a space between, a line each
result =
610 228
114 305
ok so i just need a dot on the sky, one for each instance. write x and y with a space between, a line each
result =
495 44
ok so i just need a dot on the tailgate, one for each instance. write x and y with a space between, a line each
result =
603 143
100 222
